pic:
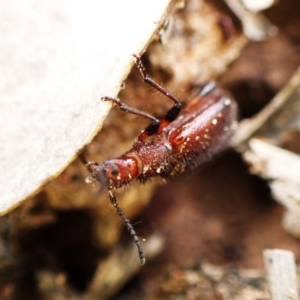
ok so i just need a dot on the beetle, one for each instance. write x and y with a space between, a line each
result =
181 141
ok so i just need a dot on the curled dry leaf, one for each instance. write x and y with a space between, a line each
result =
57 59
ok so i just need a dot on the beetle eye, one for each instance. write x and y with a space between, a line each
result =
115 170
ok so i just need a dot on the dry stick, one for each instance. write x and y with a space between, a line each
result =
281 273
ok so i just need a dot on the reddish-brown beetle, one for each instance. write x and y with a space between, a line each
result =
181 141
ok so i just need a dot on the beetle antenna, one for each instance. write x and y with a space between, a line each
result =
87 164
83 159
130 228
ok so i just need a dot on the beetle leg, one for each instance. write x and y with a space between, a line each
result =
173 113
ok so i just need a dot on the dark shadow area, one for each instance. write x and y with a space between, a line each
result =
62 247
